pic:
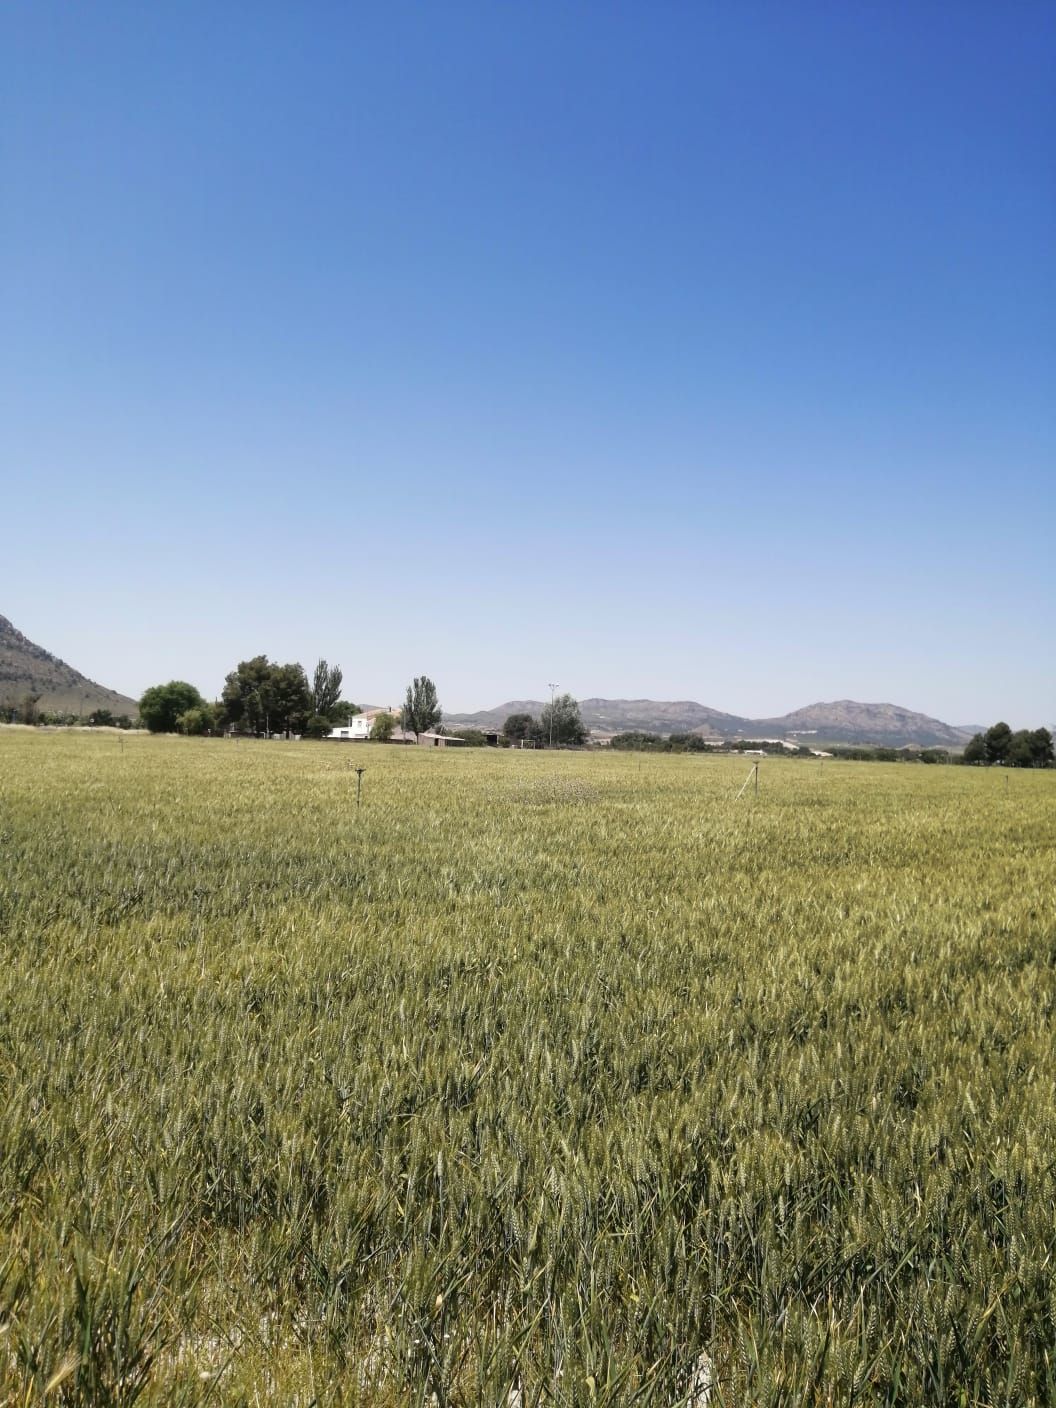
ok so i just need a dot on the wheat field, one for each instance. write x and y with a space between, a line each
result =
536 1079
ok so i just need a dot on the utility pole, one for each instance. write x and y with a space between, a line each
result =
552 687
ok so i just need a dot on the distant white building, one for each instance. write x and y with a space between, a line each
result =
358 726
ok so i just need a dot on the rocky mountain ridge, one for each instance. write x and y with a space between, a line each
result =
839 721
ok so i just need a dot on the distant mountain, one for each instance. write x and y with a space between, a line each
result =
616 716
679 716
846 721
495 718
26 668
843 721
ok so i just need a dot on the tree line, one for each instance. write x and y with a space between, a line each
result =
262 698
27 710
998 746
639 741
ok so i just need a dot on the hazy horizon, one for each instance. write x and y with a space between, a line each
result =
394 697
679 353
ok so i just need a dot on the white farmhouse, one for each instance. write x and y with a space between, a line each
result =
358 726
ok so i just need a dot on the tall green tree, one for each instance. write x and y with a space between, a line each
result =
291 698
975 750
996 741
247 695
421 709
161 705
1041 748
326 688
561 722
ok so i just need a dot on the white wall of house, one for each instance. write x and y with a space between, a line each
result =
357 727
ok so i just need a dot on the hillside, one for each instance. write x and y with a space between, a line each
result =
659 716
846 721
26 668
842 721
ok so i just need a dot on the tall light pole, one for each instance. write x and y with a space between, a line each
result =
552 687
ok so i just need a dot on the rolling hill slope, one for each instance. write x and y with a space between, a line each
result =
28 669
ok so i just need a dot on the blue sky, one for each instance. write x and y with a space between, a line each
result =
670 350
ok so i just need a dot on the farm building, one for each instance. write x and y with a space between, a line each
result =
357 727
